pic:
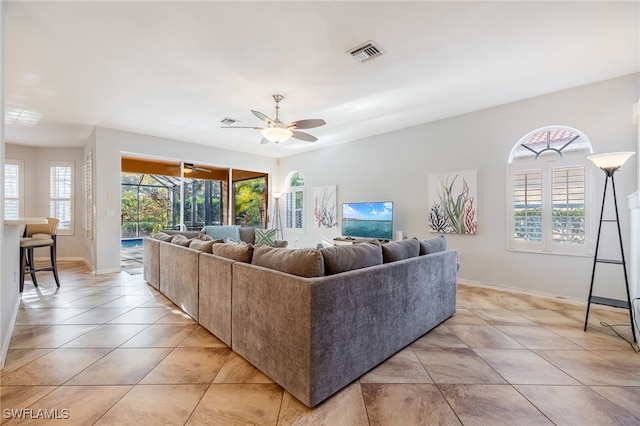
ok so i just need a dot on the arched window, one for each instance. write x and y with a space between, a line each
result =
548 192
294 202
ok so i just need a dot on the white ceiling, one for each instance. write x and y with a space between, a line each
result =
175 69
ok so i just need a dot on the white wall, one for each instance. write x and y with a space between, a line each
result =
36 179
396 166
110 144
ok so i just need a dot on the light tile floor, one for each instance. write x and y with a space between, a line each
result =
110 350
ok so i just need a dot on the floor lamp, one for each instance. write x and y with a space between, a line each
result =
276 223
610 163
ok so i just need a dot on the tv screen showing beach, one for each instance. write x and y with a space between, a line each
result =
368 220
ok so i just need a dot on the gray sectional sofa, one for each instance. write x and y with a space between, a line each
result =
312 320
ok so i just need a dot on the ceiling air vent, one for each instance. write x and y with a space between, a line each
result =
366 52
228 121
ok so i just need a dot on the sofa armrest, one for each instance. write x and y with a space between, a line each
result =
214 296
179 276
151 261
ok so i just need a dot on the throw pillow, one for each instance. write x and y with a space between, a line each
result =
266 237
305 263
433 245
399 250
240 252
349 257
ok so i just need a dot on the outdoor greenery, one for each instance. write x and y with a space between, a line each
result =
146 208
568 225
250 201
151 203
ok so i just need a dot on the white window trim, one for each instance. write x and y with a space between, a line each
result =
20 164
71 164
547 245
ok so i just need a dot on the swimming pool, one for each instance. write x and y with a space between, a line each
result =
131 242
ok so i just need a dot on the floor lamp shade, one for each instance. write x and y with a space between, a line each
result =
611 161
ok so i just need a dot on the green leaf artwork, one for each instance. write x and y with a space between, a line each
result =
452 201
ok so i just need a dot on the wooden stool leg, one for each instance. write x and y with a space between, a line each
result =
54 264
32 266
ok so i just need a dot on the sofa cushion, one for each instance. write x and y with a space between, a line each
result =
162 237
433 245
399 250
306 263
181 240
222 232
352 256
241 252
266 237
247 234
201 245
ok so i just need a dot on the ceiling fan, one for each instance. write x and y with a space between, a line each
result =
190 167
276 131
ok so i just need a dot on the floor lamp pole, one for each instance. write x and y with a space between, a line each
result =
609 169
276 223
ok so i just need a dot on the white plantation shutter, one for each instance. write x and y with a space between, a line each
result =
294 209
61 195
568 204
527 206
13 188
549 208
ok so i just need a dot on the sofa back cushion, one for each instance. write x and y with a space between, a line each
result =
399 250
306 263
200 245
240 252
162 237
247 234
344 258
433 245
181 240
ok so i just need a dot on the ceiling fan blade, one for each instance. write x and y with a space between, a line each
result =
307 124
303 136
263 117
264 140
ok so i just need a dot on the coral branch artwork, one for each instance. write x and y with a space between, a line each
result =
453 203
325 206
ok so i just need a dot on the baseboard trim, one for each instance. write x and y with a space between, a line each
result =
551 296
68 259
5 344
106 271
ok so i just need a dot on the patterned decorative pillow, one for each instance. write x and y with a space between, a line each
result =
266 237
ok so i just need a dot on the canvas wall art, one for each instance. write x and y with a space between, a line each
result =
453 202
325 206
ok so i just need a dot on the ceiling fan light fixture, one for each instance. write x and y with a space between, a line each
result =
276 134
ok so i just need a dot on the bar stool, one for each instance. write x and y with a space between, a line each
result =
38 236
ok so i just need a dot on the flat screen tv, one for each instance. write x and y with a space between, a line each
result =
368 220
